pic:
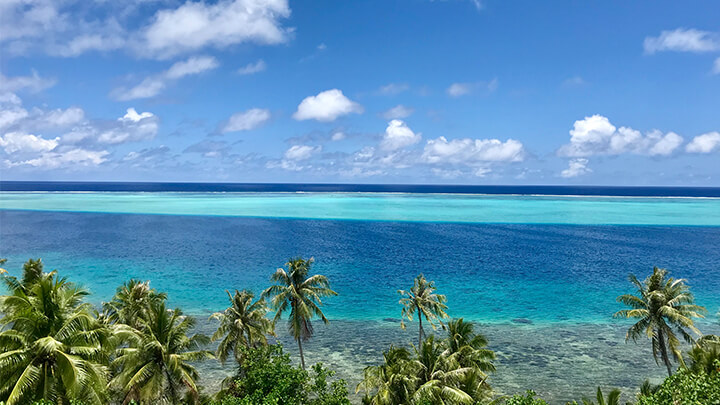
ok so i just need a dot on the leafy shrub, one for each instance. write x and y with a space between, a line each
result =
267 377
527 399
685 388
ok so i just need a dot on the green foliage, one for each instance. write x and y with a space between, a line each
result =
449 370
54 347
242 324
296 290
155 366
613 398
131 303
527 399
663 308
685 388
267 377
421 299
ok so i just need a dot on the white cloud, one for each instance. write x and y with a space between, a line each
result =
705 143
398 135
469 151
398 112
153 85
338 136
192 66
576 167
33 83
301 152
252 68
108 36
70 158
63 118
683 40
131 127
394 88
459 89
595 135
716 67
247 120
11 111
196 25
462 89
326 106
13 142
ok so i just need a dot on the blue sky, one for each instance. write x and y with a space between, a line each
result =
406 91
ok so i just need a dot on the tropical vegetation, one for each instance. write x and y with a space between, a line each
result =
56 348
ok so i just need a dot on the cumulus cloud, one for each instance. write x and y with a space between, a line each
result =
576 167
33 83
398 112
398 135
705 143
247 120
153 85
595 135
69 158
683 40
469 151
301 152
338 136
195 25
26 143
461 89
326 106
252 68
132 127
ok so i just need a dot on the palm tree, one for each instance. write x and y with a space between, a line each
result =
301 293
155 367
131 303
663 307
242 324
440 376
422 299
54 348
393 382
613 398
468 347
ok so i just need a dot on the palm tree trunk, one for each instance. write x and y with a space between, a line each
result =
663 352
420 330
302 356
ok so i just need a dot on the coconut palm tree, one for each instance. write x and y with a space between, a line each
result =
242 324
440 376
422 299
468 347
54 348
295 289
131 303
155 367
613 398
393 382
663 308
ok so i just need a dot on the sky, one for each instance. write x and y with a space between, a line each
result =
377 91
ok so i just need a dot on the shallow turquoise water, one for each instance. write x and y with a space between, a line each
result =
387 207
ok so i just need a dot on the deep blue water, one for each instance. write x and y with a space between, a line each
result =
380 188
491 273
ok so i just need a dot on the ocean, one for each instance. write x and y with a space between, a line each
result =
538 267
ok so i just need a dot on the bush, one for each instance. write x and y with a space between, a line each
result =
686 388
267 377
527 399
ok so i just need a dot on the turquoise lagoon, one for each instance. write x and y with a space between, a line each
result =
539 273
